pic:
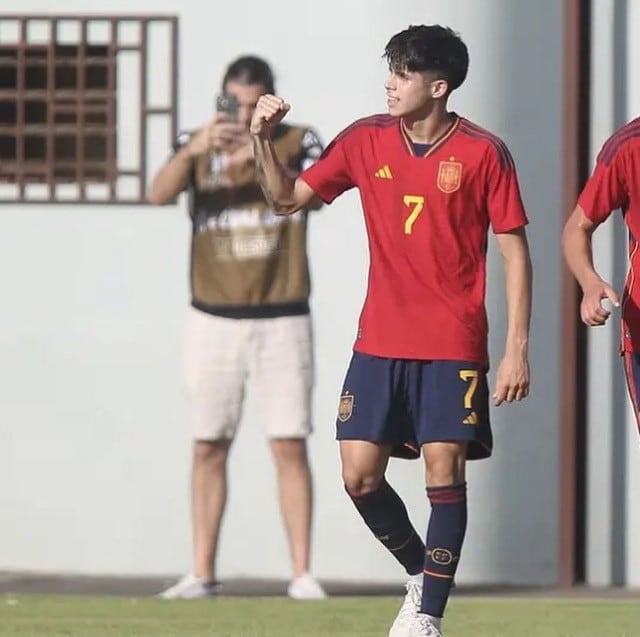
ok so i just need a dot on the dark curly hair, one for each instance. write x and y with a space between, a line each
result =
429 48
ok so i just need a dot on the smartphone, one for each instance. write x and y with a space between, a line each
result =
227 104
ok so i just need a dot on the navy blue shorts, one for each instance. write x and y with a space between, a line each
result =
407 403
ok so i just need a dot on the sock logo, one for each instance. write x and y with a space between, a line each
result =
443 557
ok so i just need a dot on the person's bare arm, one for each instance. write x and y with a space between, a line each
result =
512 380
285 193
578 253
576 244
171 179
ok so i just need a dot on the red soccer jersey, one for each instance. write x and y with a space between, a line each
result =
427 219
615 183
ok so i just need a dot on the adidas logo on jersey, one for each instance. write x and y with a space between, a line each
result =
384 173
471 419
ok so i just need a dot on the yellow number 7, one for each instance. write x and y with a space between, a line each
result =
469 376
416 203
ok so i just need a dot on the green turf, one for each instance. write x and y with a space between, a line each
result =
35 616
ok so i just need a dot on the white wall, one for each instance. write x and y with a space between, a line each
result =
94 450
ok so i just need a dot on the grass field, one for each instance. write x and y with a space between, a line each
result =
57 616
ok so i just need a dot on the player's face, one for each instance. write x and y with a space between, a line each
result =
411 92
247 96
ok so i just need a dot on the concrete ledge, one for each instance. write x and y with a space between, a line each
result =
48 584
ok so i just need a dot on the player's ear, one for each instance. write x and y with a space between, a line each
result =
439 88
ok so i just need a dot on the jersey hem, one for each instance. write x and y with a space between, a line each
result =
481 360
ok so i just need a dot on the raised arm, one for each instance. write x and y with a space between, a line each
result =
172 178
285 193
578 253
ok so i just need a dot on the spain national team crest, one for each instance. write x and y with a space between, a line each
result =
345 408
449 176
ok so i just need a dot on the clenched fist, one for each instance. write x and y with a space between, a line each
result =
270 110
591 310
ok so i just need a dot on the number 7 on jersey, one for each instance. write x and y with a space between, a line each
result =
416 204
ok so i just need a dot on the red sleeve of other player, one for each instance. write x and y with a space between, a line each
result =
605 190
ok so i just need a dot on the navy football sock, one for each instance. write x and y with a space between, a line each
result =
447 526
386 515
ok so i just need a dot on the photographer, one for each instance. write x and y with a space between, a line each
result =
249 318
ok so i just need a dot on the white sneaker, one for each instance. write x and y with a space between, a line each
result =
191 587
424 627
305 587
407 617
410 622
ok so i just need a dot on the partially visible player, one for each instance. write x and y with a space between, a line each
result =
431 184
615 183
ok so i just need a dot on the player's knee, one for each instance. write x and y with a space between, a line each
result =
445 464
444 470
443 474
358 484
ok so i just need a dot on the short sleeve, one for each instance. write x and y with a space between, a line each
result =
181 140
332 174
605 191
310 150
504 202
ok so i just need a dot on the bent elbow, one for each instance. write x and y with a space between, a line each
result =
156 197
285 208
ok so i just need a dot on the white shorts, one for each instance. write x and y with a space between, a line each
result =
221 353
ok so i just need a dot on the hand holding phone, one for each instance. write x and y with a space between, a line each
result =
223 132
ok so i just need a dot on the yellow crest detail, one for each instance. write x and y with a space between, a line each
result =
345 408
449 176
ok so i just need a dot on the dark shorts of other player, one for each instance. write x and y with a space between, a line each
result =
407 403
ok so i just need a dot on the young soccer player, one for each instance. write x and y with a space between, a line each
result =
615 183
431 183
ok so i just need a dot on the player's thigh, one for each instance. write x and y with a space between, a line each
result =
282 368
449 401
371 404
215 369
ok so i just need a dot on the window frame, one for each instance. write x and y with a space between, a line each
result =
82 178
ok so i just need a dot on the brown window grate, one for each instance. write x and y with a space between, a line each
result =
77 103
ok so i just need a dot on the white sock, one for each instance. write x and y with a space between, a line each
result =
417 579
